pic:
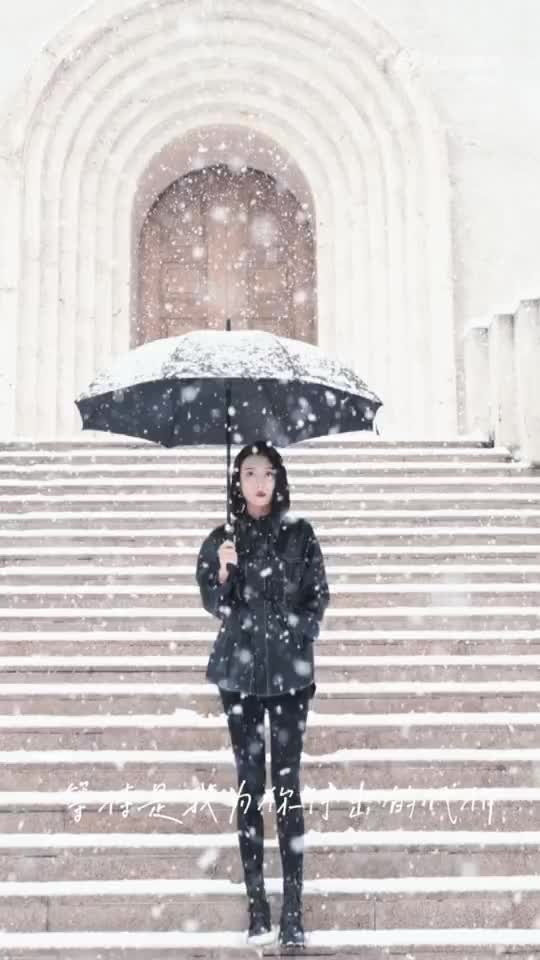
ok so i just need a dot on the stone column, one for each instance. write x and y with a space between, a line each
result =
503 418
8 296
527 374
477 404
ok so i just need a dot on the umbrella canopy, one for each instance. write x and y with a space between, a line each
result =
173 391
214 387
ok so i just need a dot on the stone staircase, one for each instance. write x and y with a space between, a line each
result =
421 780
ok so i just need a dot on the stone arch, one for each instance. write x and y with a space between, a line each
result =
320 79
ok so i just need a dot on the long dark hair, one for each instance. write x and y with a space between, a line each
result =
281 500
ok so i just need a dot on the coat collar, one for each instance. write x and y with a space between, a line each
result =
269 524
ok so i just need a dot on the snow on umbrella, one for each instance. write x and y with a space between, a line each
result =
212 386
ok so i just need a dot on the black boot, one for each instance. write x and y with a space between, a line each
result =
291 927
260 925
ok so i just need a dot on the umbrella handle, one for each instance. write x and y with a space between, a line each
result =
228 437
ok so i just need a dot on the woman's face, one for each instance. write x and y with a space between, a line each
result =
257 483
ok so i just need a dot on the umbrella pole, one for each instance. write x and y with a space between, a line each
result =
228 437
228 442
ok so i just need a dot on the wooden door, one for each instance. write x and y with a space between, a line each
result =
218 244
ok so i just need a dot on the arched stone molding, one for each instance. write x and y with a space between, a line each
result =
320 80
119 192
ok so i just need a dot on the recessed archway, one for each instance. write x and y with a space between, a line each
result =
225 240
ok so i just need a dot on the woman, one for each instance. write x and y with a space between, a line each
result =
270 591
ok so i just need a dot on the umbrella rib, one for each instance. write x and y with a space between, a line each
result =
282 348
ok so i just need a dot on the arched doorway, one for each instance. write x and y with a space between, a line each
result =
218 244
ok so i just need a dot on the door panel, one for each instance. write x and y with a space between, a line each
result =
218 244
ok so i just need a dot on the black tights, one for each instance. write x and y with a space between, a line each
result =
245 717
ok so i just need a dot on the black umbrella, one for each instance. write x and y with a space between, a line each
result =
211 386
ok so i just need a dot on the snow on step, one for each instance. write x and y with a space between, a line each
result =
37 660
170 532
154 590
216 515
367 550
488 796
349 460
182 613
319 447
184 496
313 839
224 757
348 688
451 479
324 886
332 570
148 636
230 940
141 589
183 718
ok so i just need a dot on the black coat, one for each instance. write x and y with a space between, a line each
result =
270 606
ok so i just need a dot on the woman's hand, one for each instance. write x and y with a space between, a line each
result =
227 554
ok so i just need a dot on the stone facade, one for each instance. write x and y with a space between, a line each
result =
112 105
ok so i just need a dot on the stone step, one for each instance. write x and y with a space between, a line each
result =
69 641
159 697
164 811
341 471
377 769
439 944
343 595
511 556
476 520
453 576
50 643
139 486
215 455
419 944
324 484
421 494
206 486
162 904
74 579
297 472
180 618
298 466
467 539
94 444
339 731
355 854
372 506
36 669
